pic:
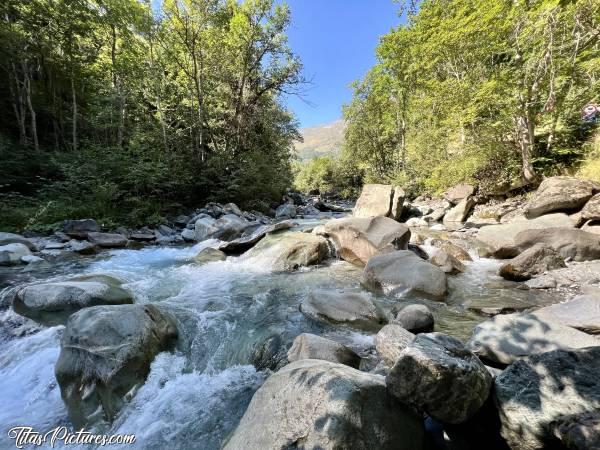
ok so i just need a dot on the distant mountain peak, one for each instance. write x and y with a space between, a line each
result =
321 140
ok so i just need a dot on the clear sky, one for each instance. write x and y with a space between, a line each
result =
336 40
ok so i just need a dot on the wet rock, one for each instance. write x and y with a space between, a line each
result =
229 227
578 431
82 247
402 270
143 237
446 262
232 208
188 235
500 239
575 244
310 346
460 212
208 255
11 254
318 404
452 249
286 252
436 374
80 228
269 354
415 318
358 239
560 194
11 238
251 236
582 312
204 228
52 303
504 339
534 261
459 192
105 356
354 309
390 341
285 211
533 393
542 282
375 201
107 240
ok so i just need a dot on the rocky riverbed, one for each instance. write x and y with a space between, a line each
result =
402 324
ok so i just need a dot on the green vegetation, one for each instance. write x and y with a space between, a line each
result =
116 111
480 91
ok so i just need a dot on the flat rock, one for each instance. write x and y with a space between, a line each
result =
459 192
12 254
11 238
375 201
582 313
80 228
575 244
107 240
560 194
311 346
208 255
535 260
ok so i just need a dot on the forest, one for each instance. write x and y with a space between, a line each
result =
487 92
117 110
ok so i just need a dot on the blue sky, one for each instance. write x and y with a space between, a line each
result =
336 40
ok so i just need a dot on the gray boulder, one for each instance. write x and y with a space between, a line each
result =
534 261
415 318
499 240
436 374
446 262
535 392
336 307
375 201
504 339
315 404
285 211
12 254
575 244
591 227
204 227
459 192
105 356
403 271
11 238
251 236
52 303
390 341
207 255
359 239
452 249
560 194
232 208
188 235
591 210
578 431
80 228
582 313
286 252
461 211
107 240
311 346
82 247
229 227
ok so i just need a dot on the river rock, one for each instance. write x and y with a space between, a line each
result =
52 303
459 192
575 244
80 228
285 211
107 240
208 254
402 270
314 404
499 240
105 356
82 247
355 309
591 227
582 313
504 339
311 346
534 261
560 194
229 227
415 318
578 431
358 239
452 249
11 254
533 393
397 203
204 227
390 341
251 236
375 201
232 208
436 374
460 212
269 354
446 262
286 252
11 238
417 222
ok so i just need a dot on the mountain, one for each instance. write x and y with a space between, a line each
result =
321 140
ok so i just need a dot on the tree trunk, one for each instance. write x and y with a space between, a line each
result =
526 140
74 118
32 115
19 105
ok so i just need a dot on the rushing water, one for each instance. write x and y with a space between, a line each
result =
196 395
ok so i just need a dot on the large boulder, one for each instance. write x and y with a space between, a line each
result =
575 244
560 194
402 271
52 303
460 212
251 236
11 254
204 227
105 356
375 201
359 239
535 260
313 404
390 341
591 210
80 228
311 346
11 238
229 227
451 248
436 374
285 211
582 312
446 262
535 392
107 240
578 431
208 255
459 192
397 203
499 240
286 252
344 307
504 339
415 318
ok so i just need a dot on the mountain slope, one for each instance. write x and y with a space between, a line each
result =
321 140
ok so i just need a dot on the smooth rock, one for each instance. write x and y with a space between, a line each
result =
582 313
82 247
105 356
575 244
533 393
80 228
446 262
504 339
188 235
390 341
204 228
417 222
230 227
107 240
251 236
285 211
208 255
460 212
375 201
402 270
359 239
12 254
534 261
459 192
397 203
314 404
311 346
436 374
452 249
415 318
11 238
591 227
560 194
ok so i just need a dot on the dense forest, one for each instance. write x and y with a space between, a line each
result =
116 110
489 92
